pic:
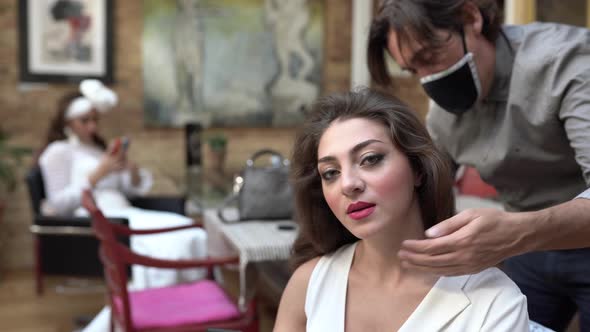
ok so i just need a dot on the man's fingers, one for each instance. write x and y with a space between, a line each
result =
448 240
436 246
447 270
465 243
447 259
449 226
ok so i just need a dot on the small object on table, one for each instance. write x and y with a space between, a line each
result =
286 227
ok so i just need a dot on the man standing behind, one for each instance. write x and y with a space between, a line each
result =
514 102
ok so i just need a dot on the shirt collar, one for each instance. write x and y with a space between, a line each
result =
445 301
503 69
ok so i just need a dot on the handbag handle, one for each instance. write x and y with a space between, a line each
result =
232 197
259 153
226 202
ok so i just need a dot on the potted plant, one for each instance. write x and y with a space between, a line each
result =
217 141
216 144
10 160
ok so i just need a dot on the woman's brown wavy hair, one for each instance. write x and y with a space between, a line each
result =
320 232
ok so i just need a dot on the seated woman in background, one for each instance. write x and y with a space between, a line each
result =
76 157
366 177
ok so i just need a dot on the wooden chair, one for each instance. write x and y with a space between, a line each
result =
197 306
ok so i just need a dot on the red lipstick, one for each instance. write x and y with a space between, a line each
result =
360 210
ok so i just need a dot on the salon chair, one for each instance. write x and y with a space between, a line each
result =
67 245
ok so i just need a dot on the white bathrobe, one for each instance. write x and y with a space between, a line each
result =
66 166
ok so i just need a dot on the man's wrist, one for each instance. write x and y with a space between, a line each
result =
536 231
524 228
564 226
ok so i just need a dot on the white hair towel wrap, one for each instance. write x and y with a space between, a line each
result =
94 96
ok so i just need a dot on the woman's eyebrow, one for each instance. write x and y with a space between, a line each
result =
353 151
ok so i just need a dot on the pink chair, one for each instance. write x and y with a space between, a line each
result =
186 307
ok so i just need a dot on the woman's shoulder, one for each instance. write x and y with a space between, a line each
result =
57 146
293 300
303 272
492 277
491 283
307 269
55 149
318 267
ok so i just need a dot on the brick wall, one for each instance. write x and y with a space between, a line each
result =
25 111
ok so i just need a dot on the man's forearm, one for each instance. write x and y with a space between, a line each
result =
564 226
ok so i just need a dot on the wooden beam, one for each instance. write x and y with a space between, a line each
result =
362 13
520 11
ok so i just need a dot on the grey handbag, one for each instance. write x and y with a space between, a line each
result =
262 193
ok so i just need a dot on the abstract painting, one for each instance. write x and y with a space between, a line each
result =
231 63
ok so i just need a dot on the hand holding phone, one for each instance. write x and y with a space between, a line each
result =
120 143
116 146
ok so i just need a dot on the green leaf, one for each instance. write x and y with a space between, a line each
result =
11 158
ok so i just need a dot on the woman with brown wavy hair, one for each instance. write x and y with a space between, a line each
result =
366 177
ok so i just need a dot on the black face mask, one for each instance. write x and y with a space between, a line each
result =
457 88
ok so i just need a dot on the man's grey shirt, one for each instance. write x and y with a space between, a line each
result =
530 137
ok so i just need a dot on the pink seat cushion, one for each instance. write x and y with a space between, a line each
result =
200 302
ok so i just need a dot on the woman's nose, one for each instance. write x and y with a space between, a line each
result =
352 183
91 127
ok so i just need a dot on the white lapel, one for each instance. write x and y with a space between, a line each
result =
443 303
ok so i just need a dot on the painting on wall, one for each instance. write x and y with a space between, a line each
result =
230 63
65 40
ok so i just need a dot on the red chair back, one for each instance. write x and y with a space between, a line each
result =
111 253
117 257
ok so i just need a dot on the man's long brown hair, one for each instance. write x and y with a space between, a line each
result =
420 19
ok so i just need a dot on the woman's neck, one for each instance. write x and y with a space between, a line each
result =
377 258
88 142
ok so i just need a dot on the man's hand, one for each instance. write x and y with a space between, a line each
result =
466 243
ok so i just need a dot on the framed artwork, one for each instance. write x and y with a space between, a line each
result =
65 40
231 63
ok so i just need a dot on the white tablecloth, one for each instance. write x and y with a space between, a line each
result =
253 241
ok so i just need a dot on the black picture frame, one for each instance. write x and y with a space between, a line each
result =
66 41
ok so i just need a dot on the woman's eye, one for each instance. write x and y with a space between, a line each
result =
329 174
371 160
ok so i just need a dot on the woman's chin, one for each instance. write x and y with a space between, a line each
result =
365 231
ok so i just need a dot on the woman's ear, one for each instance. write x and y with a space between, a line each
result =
417 180
472 18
